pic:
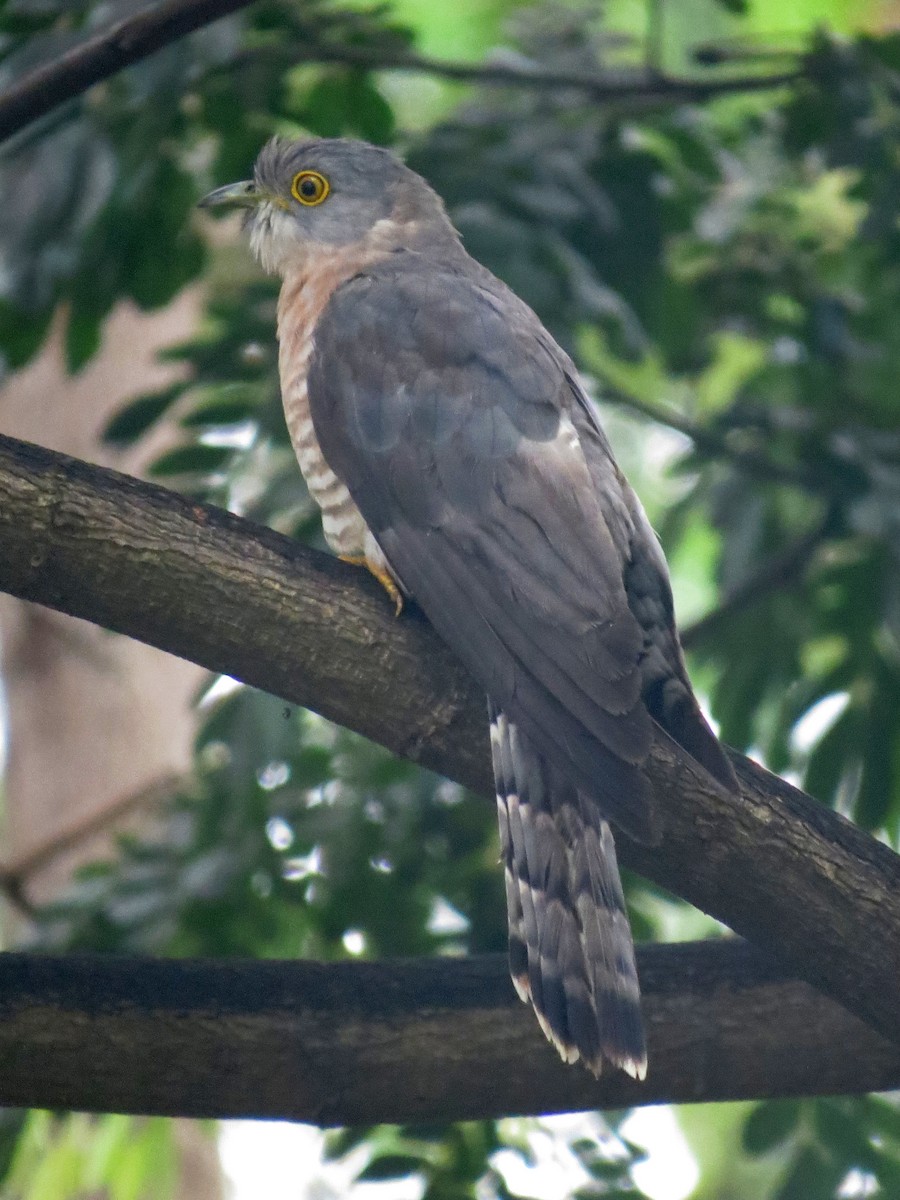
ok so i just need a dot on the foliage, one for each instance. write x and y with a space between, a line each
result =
817 1142
293 835
727 274
70 1157
477 1158
100 193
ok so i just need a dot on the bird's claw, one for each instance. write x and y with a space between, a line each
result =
381 574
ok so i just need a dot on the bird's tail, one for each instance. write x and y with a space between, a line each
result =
570 948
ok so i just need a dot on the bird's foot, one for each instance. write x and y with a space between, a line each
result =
381 574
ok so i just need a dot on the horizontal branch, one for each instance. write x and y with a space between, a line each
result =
646 86
776 866
150 29
317 1041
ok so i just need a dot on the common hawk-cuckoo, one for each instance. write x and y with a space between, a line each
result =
452 449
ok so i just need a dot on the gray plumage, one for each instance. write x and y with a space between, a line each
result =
570 949
460 430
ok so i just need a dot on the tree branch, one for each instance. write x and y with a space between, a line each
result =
150 29
644 85
318 1041
125 42
776 866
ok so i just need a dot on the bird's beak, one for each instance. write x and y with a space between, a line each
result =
233 195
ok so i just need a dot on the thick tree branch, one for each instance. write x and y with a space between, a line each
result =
780 869
318 1041
148 30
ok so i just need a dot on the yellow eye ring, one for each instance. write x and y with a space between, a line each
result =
309 188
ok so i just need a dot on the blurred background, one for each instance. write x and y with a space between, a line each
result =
717 243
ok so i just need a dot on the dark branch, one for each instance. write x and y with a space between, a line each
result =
776 866
143 33
124 42
644 86
319 1041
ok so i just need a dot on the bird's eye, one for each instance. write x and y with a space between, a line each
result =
309 187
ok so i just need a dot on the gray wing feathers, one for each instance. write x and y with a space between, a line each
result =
665 687
515 667
461 455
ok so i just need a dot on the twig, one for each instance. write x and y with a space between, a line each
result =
13 890
15 874
133 38
633 85
744 49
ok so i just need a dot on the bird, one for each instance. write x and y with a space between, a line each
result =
454 452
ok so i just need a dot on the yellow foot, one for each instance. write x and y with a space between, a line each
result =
381 574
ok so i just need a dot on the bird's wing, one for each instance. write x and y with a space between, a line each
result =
445 408
666 689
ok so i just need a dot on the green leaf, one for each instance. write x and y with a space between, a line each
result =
345 103
83 334
160 253
133 421
835 753
191 460
813 1175
21 333
220 412
736 359
339 1142
841 1127
391 1166
883 1116
58 1175
881 763
770 1124
314 767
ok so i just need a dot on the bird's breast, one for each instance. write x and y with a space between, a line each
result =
302 300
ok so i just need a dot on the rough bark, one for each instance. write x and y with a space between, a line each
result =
780 869
319 1042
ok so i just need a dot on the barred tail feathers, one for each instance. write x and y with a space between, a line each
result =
571 953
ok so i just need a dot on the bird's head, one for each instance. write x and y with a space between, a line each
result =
330 194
